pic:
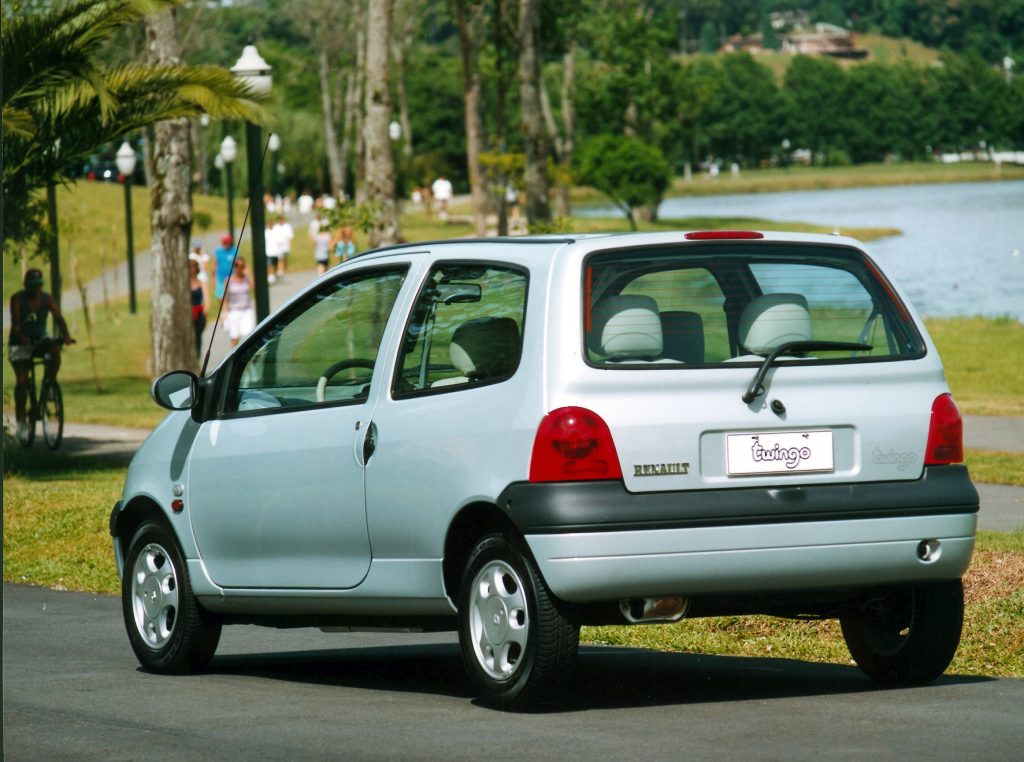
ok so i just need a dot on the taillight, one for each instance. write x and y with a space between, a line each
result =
573 444
945 433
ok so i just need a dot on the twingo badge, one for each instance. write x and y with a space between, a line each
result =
661 469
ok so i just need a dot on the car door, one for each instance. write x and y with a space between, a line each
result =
275 484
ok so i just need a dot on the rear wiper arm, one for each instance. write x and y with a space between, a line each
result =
756 387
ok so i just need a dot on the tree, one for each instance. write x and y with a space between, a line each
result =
171 216
708 37
61 102
320 22
532 120
379 179
469 19
815 96
630 172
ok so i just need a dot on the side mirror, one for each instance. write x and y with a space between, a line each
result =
176 390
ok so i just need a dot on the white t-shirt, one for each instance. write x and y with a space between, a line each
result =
273 239
442 189
285 233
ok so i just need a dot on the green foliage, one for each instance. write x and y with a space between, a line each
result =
61 101
359 216
708 37
626 169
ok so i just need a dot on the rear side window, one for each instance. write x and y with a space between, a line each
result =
465 330
713 304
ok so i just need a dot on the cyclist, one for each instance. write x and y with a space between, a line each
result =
28 337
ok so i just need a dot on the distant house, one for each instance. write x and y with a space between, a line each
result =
824 39
782 20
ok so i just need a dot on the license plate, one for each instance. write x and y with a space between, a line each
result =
785 452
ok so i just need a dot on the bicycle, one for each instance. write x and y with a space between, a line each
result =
47 406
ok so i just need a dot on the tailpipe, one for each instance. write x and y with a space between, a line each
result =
670 608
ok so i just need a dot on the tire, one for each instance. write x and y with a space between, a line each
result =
169 631
51 407
27 437
909 636
517 646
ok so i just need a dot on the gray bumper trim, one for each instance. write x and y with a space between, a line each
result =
609 506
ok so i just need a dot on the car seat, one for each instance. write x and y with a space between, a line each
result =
774 319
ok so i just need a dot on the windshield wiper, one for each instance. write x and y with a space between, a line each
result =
756 387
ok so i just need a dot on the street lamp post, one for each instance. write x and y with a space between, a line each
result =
204 122
125 158
252 70
228 152
274 145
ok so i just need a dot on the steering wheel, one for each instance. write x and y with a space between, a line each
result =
355 362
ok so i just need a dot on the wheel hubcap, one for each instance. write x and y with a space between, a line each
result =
154 596
499 620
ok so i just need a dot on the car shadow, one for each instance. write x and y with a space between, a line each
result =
604 677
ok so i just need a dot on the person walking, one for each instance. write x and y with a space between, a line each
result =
272 241
285 233
240 317
321 238
200 293
223 254
29 308
344 244
196 254
442 192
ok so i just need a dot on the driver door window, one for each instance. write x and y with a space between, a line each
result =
322 350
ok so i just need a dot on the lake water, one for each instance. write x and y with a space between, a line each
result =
962 248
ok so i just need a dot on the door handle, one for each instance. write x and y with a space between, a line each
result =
369 442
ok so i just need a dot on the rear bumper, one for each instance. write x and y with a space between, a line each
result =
596 541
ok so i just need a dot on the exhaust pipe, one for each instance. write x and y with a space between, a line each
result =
646 610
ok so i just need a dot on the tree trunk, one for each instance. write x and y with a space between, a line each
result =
534 136
351 107
359 115
504 41
403 101
564 144
568 147
330 132
379 180
470 23
171 217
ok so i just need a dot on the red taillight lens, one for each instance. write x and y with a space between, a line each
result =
945 433
723 235
573 444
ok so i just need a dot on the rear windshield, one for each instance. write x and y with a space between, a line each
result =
703 305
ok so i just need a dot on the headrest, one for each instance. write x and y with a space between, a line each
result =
626 327
774 319
485 347
683 336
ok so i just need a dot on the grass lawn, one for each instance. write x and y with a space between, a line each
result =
55 531
992 644
796 178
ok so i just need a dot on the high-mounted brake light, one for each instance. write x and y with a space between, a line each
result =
573 444
722 235
945 433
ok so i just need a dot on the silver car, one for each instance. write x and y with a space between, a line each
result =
515 437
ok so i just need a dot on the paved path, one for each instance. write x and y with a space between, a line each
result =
73 690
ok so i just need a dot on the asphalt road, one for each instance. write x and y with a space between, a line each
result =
73 690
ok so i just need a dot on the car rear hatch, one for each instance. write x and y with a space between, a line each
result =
747 363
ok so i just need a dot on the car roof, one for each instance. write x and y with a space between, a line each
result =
545 246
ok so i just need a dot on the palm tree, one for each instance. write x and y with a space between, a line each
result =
61 102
